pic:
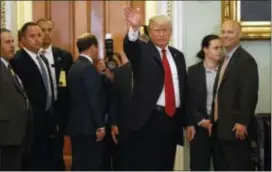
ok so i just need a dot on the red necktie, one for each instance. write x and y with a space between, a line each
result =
170 105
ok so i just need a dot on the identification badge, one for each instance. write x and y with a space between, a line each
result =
62 79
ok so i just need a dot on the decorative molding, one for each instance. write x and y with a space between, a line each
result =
3 14
150 10
170 14
24 13
251 30
177 15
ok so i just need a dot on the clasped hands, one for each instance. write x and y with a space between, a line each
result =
239 129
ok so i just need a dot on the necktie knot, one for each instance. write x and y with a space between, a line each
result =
163 51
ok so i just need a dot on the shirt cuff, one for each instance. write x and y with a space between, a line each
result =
200 122
133 35
102 128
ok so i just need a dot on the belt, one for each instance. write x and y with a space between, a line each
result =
159 108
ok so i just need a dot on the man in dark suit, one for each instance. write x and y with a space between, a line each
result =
33 70
60 62
236 94
201 77
15 111
160 93
119 102
86 125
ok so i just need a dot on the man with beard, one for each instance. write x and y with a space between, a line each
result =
60 62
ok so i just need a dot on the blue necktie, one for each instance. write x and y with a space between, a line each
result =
46 81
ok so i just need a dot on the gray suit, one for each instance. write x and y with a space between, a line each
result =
14 121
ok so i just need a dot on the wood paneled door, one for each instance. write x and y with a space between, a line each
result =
72 18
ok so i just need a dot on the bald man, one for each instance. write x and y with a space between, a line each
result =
235 99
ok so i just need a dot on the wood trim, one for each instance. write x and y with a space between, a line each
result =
88 3
141 5
39 9
97 26
107 17
48 9
72 27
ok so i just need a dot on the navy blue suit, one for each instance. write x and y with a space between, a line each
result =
86 115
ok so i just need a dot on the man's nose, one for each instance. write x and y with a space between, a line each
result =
161 32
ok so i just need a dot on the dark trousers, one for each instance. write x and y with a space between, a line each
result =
231 155
58 145
201 150
42 154
119 154
154 146
87 153
11 158
114 154
107 163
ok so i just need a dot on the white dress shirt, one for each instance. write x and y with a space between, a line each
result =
210 78
49 56
133 36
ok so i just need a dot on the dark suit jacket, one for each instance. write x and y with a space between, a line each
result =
63 60
31 77
149 80
198 91
237 94
14 114
84 83
121 95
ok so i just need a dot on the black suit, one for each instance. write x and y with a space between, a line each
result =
15 121
237 99
85 116
62 63
44 120
154 134
201 145
119 107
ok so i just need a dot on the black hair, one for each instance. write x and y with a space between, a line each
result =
86 42
205 44
26 26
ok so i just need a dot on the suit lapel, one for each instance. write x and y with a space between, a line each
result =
230 65
12 78
202 82
31 65
156 54
177 60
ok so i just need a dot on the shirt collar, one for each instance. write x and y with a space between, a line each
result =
87 57
160 49
5 62
230 54
48 49
210 70
32 54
